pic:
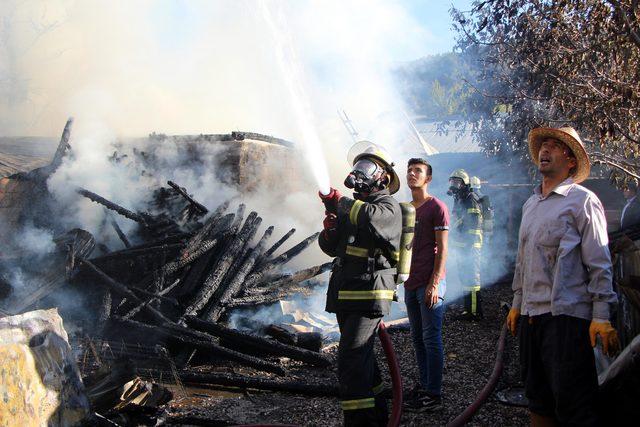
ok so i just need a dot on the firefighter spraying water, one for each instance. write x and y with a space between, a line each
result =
364 235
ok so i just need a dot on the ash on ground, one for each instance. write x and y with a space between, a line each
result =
470 351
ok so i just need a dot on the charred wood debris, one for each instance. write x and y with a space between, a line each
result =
162 303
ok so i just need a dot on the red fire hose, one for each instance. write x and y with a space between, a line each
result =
394 370
488 388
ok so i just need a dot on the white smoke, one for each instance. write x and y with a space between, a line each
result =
126 69
200 67
34 241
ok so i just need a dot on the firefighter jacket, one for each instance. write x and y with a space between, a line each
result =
366 245
467 222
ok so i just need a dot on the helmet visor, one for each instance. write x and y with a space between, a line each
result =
455 183
366 168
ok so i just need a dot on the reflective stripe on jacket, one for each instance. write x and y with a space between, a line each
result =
366 246
467 222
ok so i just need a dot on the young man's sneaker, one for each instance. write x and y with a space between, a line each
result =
424 402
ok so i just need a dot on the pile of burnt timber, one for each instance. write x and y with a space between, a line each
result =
182 303
170 289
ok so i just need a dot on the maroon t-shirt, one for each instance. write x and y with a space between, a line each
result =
432 216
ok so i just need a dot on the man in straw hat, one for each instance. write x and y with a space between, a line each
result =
562 284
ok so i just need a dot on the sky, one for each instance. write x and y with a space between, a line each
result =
171 66
434 16
431 15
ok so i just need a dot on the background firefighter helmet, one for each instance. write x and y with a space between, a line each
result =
474 182
366 150
458 179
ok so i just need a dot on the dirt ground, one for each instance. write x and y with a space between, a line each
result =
470 350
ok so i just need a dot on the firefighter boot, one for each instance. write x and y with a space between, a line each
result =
472 305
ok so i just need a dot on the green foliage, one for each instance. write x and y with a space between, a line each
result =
551 63
434 86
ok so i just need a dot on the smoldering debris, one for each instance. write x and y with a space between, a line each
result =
160 305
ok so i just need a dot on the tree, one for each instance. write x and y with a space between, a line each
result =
547 63
433 86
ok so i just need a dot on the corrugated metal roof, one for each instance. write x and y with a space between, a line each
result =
454 141
11 164
23 154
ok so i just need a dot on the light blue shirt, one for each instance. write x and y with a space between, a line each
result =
563 264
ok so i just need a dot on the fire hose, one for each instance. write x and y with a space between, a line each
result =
488 388
394 371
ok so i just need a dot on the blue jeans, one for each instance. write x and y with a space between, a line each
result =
426 331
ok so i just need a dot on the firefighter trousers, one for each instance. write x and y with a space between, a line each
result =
358 373
469 273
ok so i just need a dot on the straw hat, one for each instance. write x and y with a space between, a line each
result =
570 137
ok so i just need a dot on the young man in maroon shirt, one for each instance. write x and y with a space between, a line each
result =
425 288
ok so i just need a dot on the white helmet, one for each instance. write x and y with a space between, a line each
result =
367 149
474 182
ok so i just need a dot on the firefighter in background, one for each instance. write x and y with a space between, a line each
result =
363 234
467 237
487 209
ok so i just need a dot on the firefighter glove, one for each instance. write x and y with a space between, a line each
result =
331 200
608 335
330 221
512 320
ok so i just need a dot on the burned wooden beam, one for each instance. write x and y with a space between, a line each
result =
199 207
291 281
307 340
242 255
259 344
236 380
216 308
270 298
203 342
198 271
119 232
274 248
174 266
112 206
264 269
292 253
137 252
63 147
214 279
168 240
139 307
209 225
124 290
239 216
279 289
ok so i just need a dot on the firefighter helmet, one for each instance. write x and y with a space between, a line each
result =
474 182
367 149
462 174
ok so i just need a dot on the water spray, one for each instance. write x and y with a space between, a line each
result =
289 65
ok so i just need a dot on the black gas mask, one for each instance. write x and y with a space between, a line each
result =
456 186
367 176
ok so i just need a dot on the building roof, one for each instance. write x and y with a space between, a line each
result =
453 141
